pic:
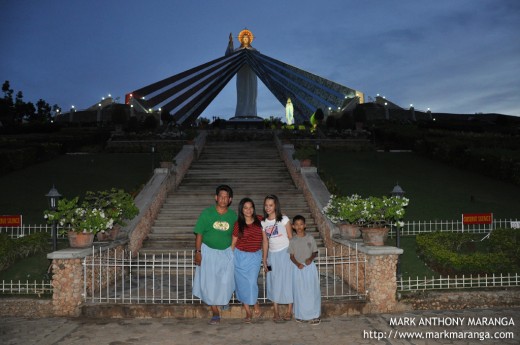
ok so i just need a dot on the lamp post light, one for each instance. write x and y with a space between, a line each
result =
53 197
398 192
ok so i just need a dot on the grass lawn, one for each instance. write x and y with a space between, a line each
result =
23 191
32 268
436 191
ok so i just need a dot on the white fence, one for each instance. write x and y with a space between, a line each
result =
116 277
26 288
464 282
24 230
412 228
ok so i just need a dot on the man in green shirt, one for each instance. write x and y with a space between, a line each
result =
214 281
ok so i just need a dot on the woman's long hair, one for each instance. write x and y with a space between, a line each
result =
277 207
242 219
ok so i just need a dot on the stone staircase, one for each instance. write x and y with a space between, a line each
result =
252 169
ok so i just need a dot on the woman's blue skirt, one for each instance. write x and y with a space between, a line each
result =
214 281
279 279
247 266
307 294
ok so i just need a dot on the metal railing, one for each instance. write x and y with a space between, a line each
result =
26 288
412 228
27 229
117 277
463 282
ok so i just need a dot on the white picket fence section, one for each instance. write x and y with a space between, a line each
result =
410 228
27 229
463 282
26 288
413 227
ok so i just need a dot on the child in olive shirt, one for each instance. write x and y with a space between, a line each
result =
306 282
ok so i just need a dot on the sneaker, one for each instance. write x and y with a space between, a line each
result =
315 322
300 320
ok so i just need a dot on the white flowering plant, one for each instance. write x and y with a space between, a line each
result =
366 212
97 213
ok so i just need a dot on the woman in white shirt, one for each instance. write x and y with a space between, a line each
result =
277 232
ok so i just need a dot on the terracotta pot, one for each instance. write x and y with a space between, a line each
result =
305 162
167 165
374 236
349 231
109 235
114 232
103 236
80 239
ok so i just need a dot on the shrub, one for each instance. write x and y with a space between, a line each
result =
11 250
454 253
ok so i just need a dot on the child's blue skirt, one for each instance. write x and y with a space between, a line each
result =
307 294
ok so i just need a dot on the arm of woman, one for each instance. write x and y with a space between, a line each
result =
234 240
265 249
288 228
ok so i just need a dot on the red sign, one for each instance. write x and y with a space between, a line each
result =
12 220
477 218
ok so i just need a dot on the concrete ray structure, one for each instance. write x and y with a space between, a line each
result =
187 94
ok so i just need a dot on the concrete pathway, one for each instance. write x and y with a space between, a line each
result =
448 327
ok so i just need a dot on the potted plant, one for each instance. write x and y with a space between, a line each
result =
99 212
117 204
81 221
378 214
305 154
373 214
344 211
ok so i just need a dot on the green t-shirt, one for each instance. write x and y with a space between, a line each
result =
216 229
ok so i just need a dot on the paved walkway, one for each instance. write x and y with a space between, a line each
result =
453 327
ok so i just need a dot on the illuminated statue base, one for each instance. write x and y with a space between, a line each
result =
245 122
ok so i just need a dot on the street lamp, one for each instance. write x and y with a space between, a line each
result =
398 192
53 197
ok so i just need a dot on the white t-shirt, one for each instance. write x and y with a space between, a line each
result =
276 233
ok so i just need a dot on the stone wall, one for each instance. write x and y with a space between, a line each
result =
67 283
26 307
463 299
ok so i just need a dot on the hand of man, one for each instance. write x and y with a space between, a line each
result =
198 259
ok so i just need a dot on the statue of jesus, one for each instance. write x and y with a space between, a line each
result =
246 80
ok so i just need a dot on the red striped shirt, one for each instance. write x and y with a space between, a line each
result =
251 240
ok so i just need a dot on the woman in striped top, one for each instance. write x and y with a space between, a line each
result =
247 246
